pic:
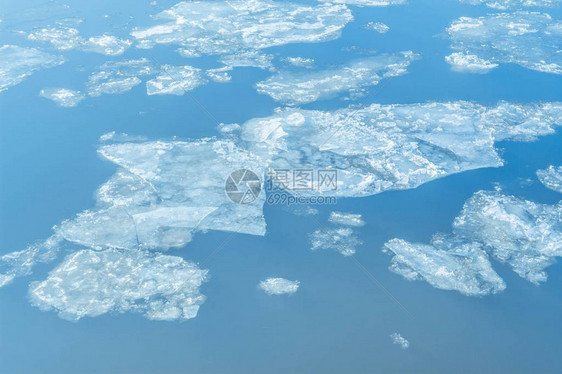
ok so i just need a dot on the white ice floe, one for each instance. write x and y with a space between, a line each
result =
446 264
521 233
514 4
379 27
346 219
528 39
175 80
367 2
233 26
399 340
301 62
18 63
394 147
524 234
294 88
279 286
116 77
220 75
91 283
63 96
67 38
465 63
551 177
341 239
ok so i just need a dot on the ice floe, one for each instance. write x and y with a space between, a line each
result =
294 88
514 4
248 58
279 286
175 80
379 27
367 2
91 283
393 147
233 26
301 62
18 63
399 340
63 96
551 177
465 63
521 233
346 219
528 39
67 38
446 264
341 239
116 77
524 234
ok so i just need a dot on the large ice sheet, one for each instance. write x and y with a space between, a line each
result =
66 38
162 193
529 39
18 63
294 88
91 283
524 234
226 27
446 264
394 147
551 177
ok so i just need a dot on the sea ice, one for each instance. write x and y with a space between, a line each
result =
279 286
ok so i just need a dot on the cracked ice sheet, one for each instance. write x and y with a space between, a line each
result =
67 38
529 39
551 177
63 96
524 234
301 88
394 147
279 286
514 4
445 264
18 63
213 27
91 283
162 193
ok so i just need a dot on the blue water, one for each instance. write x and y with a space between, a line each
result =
339 320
